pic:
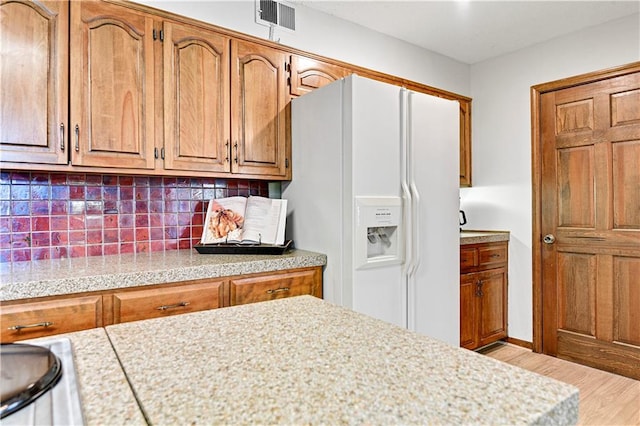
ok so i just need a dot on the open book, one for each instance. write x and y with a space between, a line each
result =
245 220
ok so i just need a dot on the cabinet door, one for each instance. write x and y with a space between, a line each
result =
39 319
493 309
468 311
34 81
112 86
465 143
309 74
161 302
276 286
260 145
196 99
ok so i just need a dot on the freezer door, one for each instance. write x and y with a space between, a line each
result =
372 164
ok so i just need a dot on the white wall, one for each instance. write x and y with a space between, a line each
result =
335 38
501 194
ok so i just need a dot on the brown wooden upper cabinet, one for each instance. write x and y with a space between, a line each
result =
465 142
112 86
308 74
117 87
196 99
258 116
34 83
130 70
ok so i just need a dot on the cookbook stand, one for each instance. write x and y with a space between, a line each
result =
239 248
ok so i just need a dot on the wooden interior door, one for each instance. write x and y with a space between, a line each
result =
587 220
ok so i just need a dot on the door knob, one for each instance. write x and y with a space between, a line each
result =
549 239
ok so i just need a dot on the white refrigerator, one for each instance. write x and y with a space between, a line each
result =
376 188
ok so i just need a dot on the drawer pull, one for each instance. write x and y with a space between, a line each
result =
40 324
277 290
494 255
175 305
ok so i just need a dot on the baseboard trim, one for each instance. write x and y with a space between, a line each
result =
518 342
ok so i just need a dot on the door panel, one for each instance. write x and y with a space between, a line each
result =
576 292
626 164
626 327
589 196
575 179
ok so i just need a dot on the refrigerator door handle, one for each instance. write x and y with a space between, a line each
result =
415 221
408 228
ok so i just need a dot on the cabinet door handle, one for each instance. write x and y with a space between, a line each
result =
235 145
226 148
277 290
39 324
479 292
175 305
62 137
77 132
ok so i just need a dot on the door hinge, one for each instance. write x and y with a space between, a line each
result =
157 34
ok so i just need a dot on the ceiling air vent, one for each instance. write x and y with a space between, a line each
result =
270 13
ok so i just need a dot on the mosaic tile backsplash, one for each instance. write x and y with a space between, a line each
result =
58 215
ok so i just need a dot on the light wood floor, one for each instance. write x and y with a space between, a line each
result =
605 398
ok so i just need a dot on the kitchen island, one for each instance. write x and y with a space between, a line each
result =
303 360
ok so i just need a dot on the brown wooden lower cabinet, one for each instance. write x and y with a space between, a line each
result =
28 319
483 294
134 305
47 317
276 286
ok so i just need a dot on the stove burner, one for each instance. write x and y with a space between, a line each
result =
27 372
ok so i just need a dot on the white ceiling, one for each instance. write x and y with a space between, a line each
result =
471 31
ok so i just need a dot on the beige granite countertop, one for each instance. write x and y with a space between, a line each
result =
303 360
477 237
105 394
22 280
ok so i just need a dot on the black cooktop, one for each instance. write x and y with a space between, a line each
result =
27 372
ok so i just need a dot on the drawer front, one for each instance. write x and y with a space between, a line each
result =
161 302
40 319
276 286
468 258
492 255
